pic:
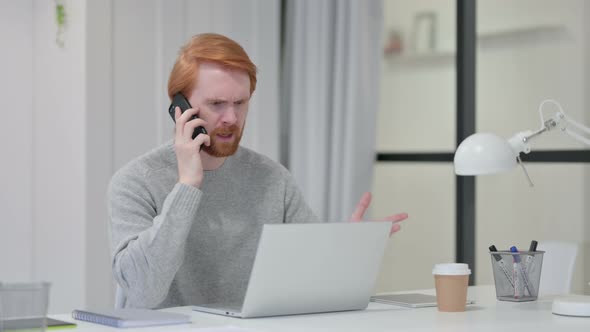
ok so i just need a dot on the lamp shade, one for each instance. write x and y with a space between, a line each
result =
484 153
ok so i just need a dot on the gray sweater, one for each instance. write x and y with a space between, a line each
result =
173 244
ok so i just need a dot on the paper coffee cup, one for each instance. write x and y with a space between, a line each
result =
451 282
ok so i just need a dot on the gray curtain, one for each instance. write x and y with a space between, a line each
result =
330 92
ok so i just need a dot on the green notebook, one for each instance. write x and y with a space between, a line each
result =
33 323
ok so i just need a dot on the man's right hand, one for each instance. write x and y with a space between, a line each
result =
190 166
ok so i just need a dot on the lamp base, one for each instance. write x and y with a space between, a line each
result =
573 305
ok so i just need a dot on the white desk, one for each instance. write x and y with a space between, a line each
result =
487 314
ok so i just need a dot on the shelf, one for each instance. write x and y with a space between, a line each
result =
517 33
425 57
522 31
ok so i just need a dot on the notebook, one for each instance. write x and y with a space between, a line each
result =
310 268
131 317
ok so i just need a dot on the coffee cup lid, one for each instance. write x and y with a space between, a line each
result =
451 269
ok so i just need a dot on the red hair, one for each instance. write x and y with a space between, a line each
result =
207 47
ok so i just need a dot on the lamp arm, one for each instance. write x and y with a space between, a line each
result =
577 136
520 141
574 123
578 126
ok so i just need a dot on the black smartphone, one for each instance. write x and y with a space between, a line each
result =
180 101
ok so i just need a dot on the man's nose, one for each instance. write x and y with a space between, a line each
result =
229 116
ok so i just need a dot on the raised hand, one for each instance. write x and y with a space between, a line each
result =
190 166
363 205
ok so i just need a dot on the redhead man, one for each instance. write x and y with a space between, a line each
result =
186 216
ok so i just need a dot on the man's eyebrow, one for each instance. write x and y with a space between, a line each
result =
223 100
217 100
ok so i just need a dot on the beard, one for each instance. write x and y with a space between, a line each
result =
224 149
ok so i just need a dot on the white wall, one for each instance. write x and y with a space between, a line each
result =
427 193
99 157
43 176
528 50
542 56
16 201
73 116
59 157
417 113
517 70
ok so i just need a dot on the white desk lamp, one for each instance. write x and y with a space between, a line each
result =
485 153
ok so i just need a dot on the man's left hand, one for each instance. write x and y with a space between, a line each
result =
364 203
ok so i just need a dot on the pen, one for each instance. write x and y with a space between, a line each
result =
518 265
533 246
500 263
529 258
515 261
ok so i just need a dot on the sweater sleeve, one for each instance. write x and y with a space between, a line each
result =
147 247
296 209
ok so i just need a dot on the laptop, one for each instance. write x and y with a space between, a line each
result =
311 268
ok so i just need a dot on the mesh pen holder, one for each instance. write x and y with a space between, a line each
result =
23 306
517 274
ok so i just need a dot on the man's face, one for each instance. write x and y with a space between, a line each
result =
222 96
